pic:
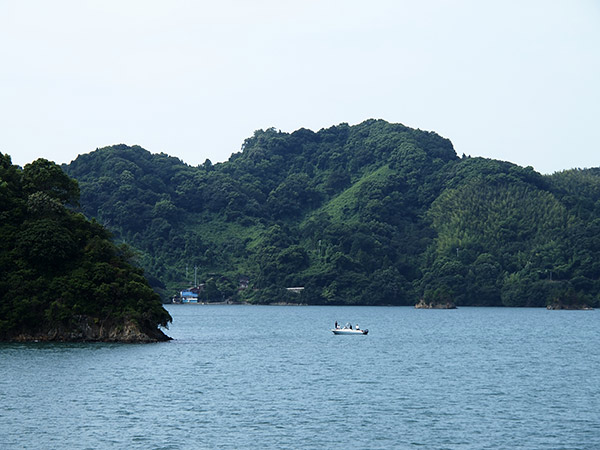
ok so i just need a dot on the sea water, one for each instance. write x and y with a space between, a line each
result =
275 377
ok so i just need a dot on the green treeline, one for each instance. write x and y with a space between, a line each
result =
57 268
372 214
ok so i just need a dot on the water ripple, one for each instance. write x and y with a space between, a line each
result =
466 379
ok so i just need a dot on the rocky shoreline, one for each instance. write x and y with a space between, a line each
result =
562 306
435 305
86 329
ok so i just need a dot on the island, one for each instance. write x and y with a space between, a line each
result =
63 277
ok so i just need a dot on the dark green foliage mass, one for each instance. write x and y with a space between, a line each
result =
56 266
376 213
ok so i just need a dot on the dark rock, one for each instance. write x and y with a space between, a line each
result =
435 305
572 307
86 329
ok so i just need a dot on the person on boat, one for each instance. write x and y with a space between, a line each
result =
336 325
350 326
357 327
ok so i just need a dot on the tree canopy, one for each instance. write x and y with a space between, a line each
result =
59 268
375 213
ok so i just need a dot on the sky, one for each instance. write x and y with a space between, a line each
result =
515 80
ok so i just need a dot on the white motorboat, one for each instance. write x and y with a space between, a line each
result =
349 330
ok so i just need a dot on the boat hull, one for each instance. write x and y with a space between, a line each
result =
346 331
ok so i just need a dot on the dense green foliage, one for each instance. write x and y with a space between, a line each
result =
376 213
55 265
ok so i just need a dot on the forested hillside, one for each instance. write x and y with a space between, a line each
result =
61 276
376 213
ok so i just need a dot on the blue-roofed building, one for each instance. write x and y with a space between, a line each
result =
189 297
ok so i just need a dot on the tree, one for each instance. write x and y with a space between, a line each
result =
46 176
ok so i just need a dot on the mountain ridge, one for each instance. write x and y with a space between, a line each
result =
367 214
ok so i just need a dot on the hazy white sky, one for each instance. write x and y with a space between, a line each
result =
516 80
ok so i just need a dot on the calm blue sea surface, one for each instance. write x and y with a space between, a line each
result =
275 377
